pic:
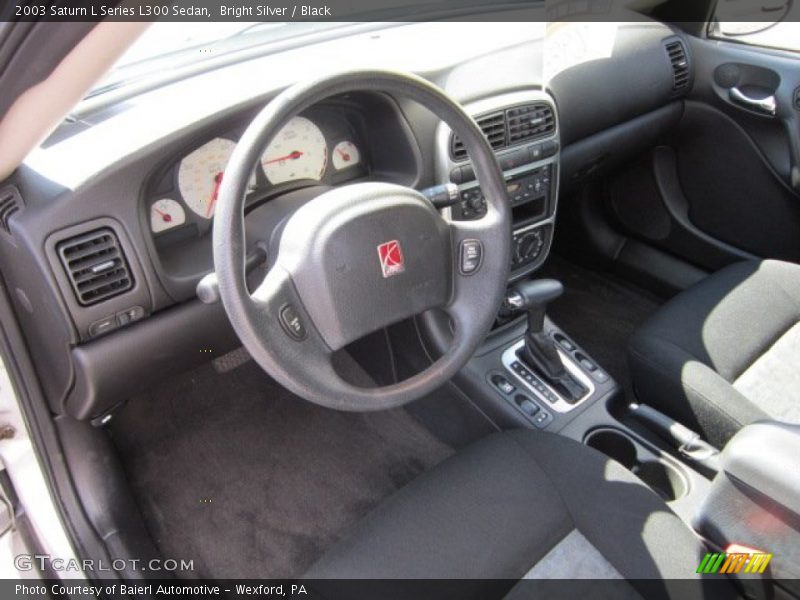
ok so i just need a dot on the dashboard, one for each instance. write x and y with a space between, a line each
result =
105 252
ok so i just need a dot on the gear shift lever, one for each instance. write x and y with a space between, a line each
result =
540 351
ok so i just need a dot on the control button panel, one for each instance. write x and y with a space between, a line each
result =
526 405
503 384
112 322
471 207
527 187
291 323
522 402
530 186
471 256
130 315
564 342
509 160
103 326
586 363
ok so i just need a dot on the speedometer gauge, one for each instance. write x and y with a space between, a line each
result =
298 151
200 175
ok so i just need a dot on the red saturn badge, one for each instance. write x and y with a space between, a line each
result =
391 255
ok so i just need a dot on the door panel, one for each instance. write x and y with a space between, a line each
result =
733 193
737 148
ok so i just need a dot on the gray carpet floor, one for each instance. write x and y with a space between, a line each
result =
599 312
234 472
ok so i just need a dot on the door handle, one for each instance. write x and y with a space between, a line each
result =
767 106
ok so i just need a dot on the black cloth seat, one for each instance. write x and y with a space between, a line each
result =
522 504
726 352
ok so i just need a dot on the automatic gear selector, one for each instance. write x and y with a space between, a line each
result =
540 352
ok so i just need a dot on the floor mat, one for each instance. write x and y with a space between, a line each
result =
239 475
600 312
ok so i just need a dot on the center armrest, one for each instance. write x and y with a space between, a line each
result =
755 498
764 457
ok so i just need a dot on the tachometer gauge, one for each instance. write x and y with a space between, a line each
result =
298 151
166 214
345 154
200 175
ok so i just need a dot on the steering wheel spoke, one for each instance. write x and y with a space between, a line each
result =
276 301
279 315
474 272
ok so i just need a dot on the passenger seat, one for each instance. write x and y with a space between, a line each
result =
725 352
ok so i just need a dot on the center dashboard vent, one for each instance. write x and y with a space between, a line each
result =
494 129
509 127
529 122
680 65
95 265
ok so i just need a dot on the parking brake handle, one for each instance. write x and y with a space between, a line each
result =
687 442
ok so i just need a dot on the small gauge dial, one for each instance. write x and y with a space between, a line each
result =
345 154
166 214
200 175
298 151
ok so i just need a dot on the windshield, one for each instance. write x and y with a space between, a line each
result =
167 45
181 46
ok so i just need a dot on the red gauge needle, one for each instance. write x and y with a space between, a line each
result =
345 156
293 156
167 217
214 194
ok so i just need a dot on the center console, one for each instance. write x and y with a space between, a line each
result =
522 127
535 376
529 372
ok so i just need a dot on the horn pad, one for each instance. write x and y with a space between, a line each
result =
364 256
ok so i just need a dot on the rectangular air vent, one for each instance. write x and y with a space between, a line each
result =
680 65
493 127
529 122
10 203
95 265
512 126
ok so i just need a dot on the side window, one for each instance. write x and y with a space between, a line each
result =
767 23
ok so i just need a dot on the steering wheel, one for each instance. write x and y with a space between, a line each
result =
361 257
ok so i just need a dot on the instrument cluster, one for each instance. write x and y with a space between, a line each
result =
320 147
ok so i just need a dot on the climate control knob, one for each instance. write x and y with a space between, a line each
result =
528 246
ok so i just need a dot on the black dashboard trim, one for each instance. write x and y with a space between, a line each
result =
121 364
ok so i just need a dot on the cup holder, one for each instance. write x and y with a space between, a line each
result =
614 445
663 478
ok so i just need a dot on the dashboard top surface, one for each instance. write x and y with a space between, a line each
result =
429 49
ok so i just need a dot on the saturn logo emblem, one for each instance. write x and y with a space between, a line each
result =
391 256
